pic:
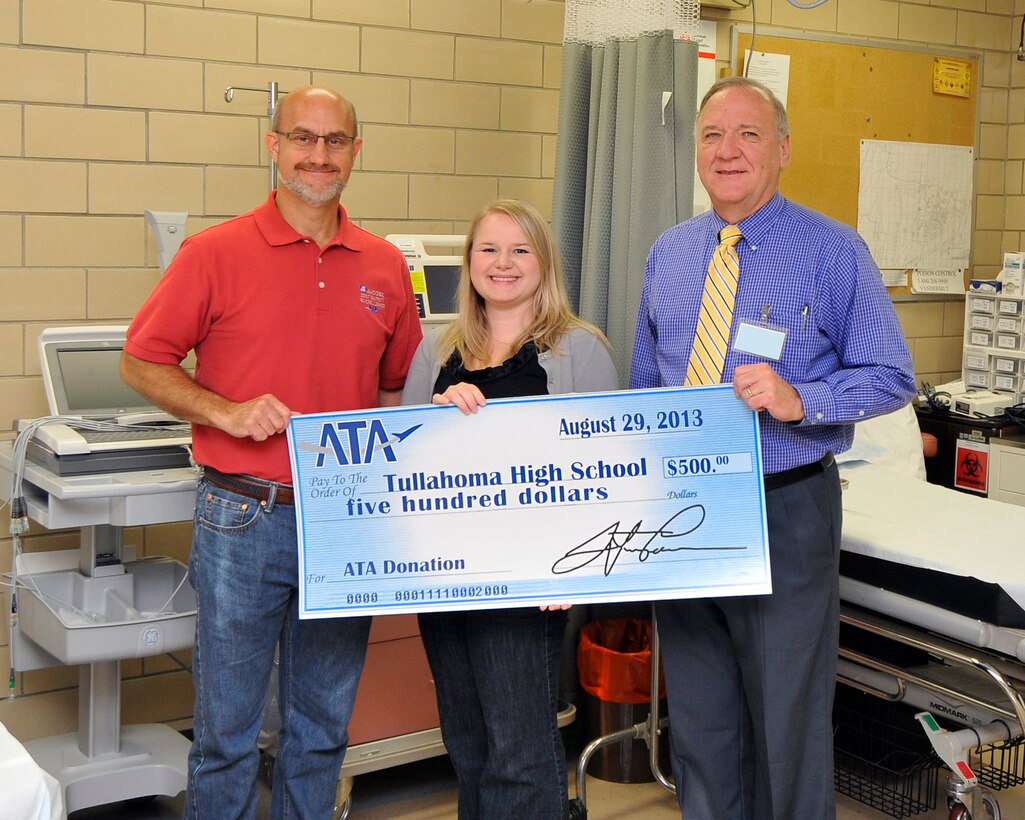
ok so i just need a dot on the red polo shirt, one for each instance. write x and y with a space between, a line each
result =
267 311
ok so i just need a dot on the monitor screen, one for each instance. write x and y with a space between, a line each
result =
91 382
442 284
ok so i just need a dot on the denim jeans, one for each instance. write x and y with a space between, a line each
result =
497 678
244 568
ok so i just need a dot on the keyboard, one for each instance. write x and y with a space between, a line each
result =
143 433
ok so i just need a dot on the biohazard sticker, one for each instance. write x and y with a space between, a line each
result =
971 470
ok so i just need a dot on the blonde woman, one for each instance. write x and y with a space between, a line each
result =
497 671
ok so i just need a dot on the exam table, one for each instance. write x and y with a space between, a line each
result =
932 592
940 575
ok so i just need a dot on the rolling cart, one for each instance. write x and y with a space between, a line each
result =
93 606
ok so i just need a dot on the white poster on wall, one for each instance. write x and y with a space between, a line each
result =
915 204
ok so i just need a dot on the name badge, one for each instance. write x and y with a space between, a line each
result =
759 339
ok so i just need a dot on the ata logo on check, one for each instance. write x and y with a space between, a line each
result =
355 442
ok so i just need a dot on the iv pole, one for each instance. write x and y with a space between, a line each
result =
272 93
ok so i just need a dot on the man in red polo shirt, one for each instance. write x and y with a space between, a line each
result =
291 309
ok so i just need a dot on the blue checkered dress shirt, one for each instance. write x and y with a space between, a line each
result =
844 352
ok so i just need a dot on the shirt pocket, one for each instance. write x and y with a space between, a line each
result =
798 321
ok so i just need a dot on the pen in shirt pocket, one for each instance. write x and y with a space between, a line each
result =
804 317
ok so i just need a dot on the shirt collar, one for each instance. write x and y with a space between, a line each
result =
276 231
755 227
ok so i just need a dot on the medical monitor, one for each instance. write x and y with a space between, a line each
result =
81 372
435 276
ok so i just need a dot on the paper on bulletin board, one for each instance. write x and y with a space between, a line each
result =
953 77
895 278
772 70
938 281
915 204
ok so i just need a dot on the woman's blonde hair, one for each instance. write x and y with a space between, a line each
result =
553 318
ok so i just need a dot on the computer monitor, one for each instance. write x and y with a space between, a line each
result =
81 374
435 276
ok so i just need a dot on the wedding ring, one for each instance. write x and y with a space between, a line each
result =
748 392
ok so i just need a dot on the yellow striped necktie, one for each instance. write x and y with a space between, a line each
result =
711 339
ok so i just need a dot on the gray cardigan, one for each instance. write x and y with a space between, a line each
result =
580 364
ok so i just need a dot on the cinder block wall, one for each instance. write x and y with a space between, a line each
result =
109 107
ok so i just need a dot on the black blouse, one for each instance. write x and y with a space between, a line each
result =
520 375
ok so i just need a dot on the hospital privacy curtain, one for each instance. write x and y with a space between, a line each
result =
625 155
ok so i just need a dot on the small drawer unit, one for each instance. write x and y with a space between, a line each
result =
994 343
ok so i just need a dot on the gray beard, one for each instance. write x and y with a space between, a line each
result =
311 195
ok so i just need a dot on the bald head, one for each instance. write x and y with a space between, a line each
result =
320 94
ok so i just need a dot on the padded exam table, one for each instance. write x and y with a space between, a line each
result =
942 574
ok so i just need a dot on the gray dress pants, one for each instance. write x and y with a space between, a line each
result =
750 679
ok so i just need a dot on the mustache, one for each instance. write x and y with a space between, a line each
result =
312 166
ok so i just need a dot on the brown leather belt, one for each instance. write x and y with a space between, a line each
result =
250 487
774 481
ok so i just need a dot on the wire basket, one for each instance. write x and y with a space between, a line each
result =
1002 765
881 757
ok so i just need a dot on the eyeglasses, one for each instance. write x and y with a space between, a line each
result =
305 141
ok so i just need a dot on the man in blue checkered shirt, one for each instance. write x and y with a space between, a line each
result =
815 346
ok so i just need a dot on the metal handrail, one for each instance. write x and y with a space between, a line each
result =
945 651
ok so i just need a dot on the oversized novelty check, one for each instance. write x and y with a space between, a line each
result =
628 496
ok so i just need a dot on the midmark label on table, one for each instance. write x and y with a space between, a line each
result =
582 498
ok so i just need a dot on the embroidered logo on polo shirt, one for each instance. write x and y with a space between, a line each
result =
373 299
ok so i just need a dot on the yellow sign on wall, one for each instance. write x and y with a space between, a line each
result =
952 77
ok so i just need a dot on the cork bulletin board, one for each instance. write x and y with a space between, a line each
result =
841 92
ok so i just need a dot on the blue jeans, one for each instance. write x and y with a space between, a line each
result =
244 568
497 678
